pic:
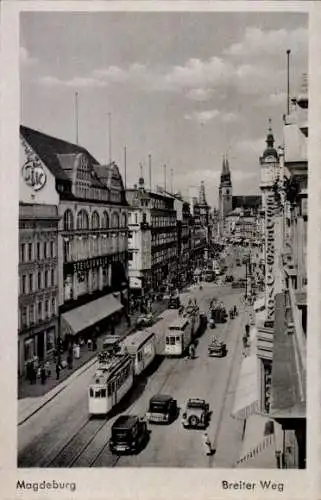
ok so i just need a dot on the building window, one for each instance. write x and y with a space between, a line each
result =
38 251
45 249
68 221
24 282
53 306
124 220
52 277
31 314
105 221
82 220
39 280
46 279
52 249
24 316
29 251
39 311
22 252
115 221
30 283
95 220
46 308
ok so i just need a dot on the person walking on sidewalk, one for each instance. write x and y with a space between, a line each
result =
43 375
207 444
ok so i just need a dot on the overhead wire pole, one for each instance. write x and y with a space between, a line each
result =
164 167
125 167
150 171
109 137
288 52
172 185
76 117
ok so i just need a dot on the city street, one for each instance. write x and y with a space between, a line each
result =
60 434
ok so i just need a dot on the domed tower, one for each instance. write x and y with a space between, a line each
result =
225 193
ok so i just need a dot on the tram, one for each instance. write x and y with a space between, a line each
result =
112 380
178 337
141 347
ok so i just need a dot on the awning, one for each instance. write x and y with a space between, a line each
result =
247 398
259 443
82 317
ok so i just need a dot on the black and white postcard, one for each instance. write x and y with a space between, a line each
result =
160 250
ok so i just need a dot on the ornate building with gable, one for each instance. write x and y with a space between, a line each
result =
92 234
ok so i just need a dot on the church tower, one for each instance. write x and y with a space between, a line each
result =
225 193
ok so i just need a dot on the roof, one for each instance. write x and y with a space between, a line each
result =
161 398
286 399
137 339
179 323
50 148
247 201
125 422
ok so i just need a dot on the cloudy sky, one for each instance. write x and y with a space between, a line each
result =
183 87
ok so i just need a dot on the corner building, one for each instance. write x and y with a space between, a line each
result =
92 236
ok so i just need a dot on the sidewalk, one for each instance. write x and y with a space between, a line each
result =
33 396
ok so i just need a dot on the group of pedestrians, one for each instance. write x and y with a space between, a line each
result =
33 370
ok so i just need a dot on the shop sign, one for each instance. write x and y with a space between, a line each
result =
34 174
85 265
270 256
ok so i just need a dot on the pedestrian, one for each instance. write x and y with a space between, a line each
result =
207 444
69 361
57 371
43 375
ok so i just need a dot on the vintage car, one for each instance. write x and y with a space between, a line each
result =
196 414
217 348
162 409
144 321
129 434
174 302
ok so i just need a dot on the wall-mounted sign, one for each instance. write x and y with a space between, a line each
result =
270 255
34 174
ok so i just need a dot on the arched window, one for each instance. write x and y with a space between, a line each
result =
115 220
68 220
124 220
105 221
82 220
95 220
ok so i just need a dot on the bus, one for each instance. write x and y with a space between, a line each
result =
114 377
179 336
141 347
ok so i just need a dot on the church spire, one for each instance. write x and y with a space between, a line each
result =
226 174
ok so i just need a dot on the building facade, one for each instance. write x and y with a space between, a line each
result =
225 194
153 241
92 235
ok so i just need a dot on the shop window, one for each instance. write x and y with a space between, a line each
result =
29 349
50 339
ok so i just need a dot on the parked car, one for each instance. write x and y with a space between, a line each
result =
162 409
129 434
196 414
174 302
229 278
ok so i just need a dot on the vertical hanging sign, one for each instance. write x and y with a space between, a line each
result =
270 256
